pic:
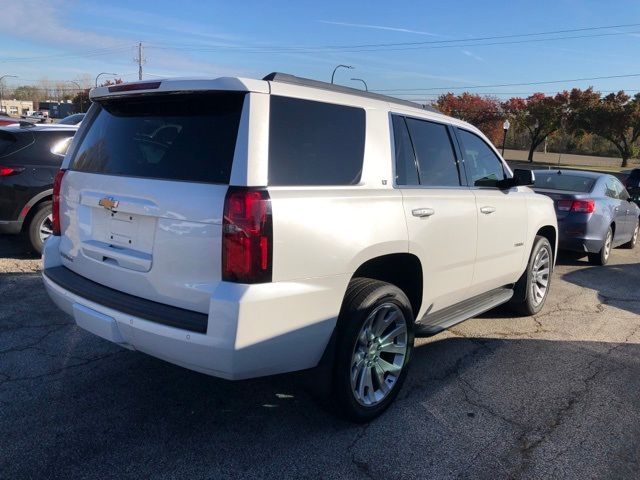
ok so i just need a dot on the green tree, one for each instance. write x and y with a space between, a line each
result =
539 115
615 118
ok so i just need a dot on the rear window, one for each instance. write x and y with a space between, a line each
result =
563 181
7 141
315 143
14 143
189 137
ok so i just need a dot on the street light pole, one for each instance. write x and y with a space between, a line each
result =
505 127
2 87
80 92
366 88
337 67
103 73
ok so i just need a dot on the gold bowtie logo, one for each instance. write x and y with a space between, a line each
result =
108 203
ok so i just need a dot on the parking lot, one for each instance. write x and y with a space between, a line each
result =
495 397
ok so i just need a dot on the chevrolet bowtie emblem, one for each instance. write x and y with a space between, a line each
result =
108 203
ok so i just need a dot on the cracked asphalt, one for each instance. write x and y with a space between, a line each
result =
555 396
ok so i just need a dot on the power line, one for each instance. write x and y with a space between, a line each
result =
440 43
87 53
470 87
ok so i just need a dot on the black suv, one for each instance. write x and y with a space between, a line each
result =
30 156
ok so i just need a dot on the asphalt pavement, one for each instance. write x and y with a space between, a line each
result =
552 396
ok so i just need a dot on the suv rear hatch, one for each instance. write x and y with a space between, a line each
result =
142 200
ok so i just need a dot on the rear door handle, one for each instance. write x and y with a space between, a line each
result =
422 212
487 210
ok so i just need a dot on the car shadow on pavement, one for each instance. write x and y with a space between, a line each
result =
624 293
16 247
76 406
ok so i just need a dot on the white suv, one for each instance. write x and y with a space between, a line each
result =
244 228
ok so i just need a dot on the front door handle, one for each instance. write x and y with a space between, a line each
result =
422 212
488 210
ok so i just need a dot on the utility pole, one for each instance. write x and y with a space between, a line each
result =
140 59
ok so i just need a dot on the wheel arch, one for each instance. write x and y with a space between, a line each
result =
550 233
404 270
31 207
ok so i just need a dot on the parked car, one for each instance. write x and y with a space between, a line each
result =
595 211
7 120
244 228
35 117
74 119
30 156
632 182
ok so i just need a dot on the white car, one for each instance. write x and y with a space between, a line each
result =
244 228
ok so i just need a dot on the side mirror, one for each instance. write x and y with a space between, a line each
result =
521 178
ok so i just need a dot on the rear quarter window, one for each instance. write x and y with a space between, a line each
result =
188 137
315 143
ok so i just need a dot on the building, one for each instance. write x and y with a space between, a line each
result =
16 107
57 109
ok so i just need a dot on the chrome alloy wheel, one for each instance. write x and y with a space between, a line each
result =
540 276
379 354
45 230
634 239
607 245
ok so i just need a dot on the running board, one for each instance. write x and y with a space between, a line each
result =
434 323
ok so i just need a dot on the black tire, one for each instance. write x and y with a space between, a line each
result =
38 220
602 257
363 297
524 301
631 244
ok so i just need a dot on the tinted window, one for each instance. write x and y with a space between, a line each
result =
7 142
563 181
406 170
436 160
315 143
15 143
176 137
484 168
610 189
620 191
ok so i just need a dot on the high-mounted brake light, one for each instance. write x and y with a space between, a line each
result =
581 206
247 236
127 87
6 171
55 206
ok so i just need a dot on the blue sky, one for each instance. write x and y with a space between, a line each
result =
75 40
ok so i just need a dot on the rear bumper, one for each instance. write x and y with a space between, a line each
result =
252 330
10 226
579 236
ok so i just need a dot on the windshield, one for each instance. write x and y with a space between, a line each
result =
564 182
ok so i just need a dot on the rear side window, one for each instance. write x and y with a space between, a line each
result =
484 168
434 152
189 137
406 168
315 143
7 142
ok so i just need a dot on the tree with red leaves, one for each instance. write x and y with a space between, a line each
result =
540 115
482 112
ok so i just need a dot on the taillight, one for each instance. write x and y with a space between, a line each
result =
55 206
581 206
6 171
247 236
